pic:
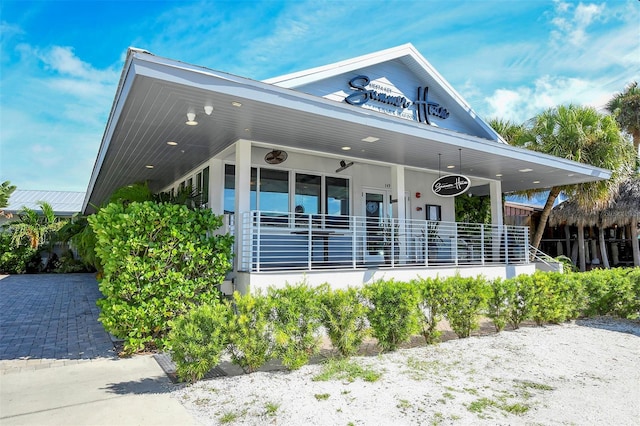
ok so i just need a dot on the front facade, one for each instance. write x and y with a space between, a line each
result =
343 174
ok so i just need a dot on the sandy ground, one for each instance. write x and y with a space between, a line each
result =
585 373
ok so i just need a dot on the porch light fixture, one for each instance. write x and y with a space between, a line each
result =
208 109
451 166
236 104
525 170
346 148
499 175
149 166
370 139
536 181
191 119
344 165
172 143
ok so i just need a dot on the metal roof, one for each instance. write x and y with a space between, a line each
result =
64 203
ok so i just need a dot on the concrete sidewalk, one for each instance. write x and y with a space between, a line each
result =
132 391
58 366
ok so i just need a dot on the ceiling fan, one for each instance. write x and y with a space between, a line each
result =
276 156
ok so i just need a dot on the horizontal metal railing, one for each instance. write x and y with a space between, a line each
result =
290 241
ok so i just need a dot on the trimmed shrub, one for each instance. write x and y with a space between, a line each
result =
430 307
197 340
160 261
392 313
344 318
295 311
465 298
250 332
17 260
501 295
552 299
612 292
519 307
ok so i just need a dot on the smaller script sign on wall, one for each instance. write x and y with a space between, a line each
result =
451 185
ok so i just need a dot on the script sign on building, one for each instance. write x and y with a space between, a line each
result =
451 185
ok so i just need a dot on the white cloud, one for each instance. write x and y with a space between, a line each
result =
571 23
522 103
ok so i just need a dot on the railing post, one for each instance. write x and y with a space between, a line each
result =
393 242
354 239
258 235
309 242
526 245
482 243
506 244
455 243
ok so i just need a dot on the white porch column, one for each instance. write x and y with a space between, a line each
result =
243 195
399 209
497 216
216 186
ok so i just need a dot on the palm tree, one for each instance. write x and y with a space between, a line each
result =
35 227
6 189
580 134
625 107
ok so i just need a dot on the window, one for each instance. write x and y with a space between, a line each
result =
337 196
308 194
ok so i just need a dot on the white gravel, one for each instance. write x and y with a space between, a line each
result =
585 373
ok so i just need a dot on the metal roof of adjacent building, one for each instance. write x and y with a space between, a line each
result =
64 203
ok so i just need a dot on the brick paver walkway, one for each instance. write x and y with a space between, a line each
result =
49 317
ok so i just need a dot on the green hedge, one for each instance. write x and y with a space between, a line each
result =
285 323
159 261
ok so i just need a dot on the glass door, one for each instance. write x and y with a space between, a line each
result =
376 212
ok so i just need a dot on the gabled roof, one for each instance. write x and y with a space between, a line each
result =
410 58
64 203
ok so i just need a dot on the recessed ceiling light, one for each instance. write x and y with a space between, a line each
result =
346 148
172 143
525 170
370 139
536 181
451 166
149 166
571 174
191 119
236 104
499 175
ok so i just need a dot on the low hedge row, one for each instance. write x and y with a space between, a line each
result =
287 323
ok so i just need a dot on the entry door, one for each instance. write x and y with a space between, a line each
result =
376 212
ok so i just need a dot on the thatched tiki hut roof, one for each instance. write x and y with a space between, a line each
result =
625 209
570 213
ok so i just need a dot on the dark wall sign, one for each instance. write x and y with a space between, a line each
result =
424 106
451 185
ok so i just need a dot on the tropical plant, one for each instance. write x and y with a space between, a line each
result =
580 134
392 313
430 306
34 227
297 320
625 107
6 189
464 299
344 318
17 260
250 331
198 338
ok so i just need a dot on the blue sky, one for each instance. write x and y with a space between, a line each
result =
61 60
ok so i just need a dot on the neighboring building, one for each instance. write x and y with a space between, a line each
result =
64 203
334 174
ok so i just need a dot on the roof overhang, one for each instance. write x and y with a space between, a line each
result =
155 94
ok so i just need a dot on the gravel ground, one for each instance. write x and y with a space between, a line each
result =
585 372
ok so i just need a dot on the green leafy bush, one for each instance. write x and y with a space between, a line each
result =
465 298
392 313
552 299
612 292
295 311
344 318
250 332
501 295
198 338
519 306
160 261
17 260
430 306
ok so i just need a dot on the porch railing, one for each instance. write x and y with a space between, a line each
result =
280 241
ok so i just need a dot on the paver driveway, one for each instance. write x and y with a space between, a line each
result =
52 317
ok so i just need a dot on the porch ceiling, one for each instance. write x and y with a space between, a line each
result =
155 95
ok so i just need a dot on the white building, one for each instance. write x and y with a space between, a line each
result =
328 174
